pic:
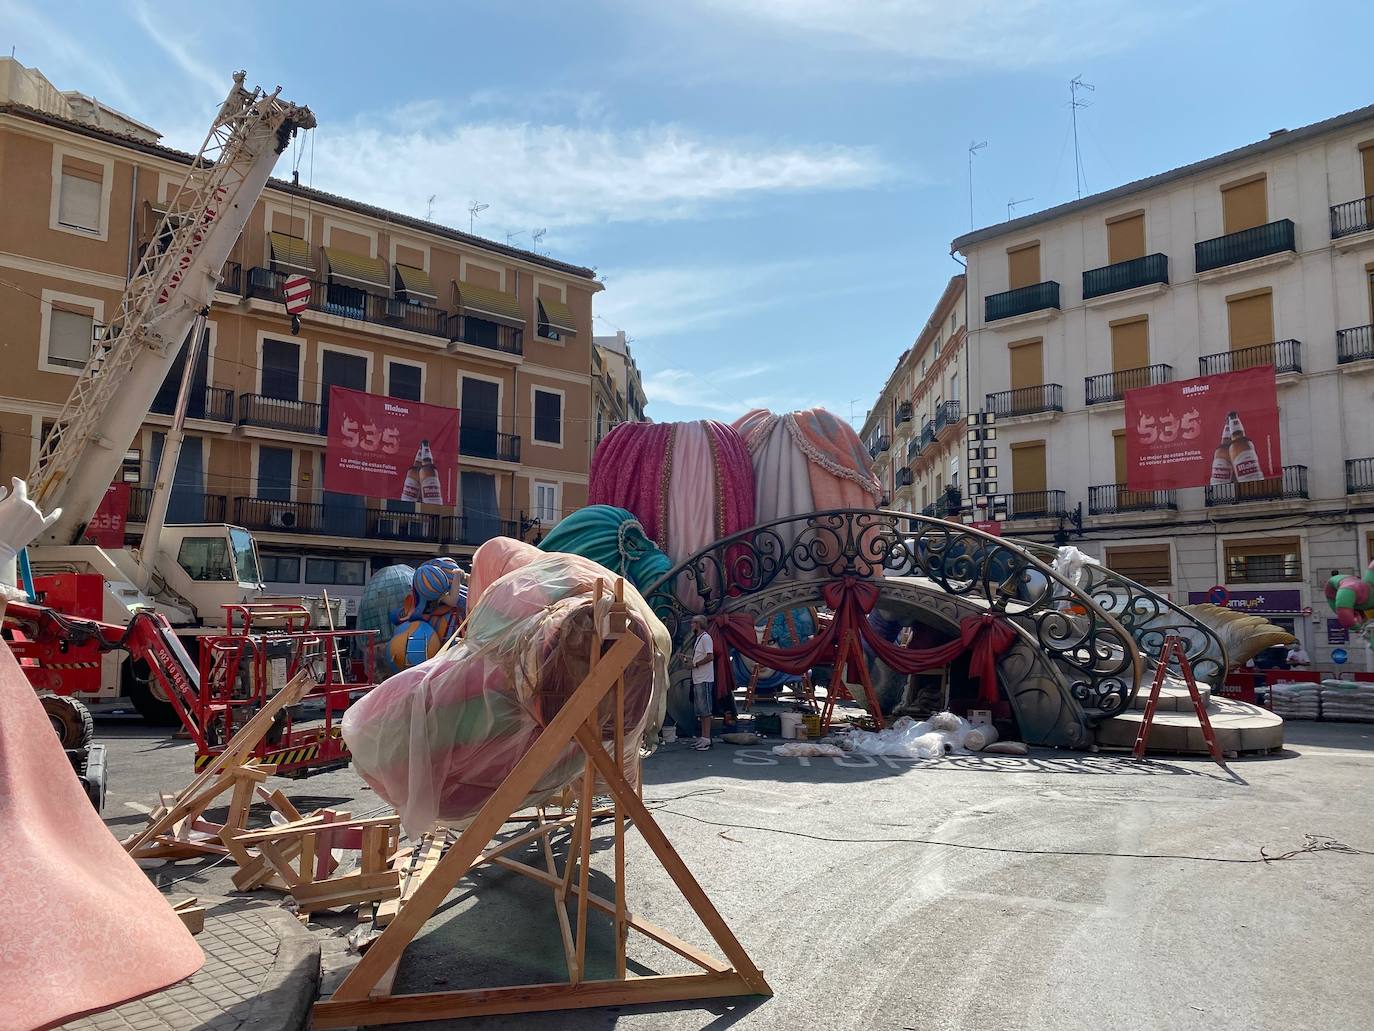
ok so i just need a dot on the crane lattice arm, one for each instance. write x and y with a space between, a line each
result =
84 450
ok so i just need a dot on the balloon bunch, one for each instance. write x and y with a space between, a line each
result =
1352 599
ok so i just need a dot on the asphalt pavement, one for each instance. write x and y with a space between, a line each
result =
1057 891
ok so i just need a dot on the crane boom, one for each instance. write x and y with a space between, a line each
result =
174 283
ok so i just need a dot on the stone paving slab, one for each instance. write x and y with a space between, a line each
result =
261 973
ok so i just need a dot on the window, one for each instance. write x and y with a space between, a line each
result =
80 197
403 380
245 556
482 332
281 369
954 387
205 559
546 502
545 330
344 572
70 337
598 427
1023 265
1147 564
935 350
953 322
275 466
548 417
1273 560
281 569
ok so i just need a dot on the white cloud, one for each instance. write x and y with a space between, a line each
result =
659 302
568 175
1005 33
215 82
700 391
51 49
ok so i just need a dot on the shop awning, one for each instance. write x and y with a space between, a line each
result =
488 303
416 282
292 251
358 268
558 315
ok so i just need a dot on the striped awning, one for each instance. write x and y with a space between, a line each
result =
558 315
356 267
416 281
291 250
488 303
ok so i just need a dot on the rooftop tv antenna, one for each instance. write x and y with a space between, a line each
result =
537 235
429 207
1012 203
973 148
1076 84
475 209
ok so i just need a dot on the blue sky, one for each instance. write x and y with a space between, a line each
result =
768 187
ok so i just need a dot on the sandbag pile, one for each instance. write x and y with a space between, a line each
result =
435 740
1347 700
1295 700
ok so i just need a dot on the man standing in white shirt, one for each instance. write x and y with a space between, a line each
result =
703 680
1297 657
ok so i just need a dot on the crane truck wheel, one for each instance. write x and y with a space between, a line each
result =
148 697
70 720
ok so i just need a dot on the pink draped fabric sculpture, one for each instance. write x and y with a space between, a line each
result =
806 461
85 929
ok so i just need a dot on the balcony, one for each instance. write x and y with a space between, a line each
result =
1112 386
471 532
927 433
947 414
213 508
1354 345
1126 275
904 477
1047 397
1233 248
1354 216
304 517
914 448
1283 355
279 413
879 446
1359 475
351 302
946 506
1292 485
1021 301
214 403
1036 504
231 278
904 412
474 442
1114 498
465 329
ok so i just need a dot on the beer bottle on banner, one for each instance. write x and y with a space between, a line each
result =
431 491
411 490
1243 456
1222 471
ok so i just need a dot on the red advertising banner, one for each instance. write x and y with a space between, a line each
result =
386 447
106 528
1203 432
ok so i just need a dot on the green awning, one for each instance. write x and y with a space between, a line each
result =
558 315
487 303
416 281
292 251
357 267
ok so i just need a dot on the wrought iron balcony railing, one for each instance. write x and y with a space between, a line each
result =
366 522
1283 355
1047 397
1021 301
1354 345
213 403
1112 498
947 414
879 446
475 442
915 447
904 412
1263 569
927 433
279 413
351 302
213 507
231 278
1126 275
1036 504
1359 475
1292 484
1112 386
494 336
904 477
1233 248
1354 216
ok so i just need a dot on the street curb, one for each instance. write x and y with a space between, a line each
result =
290 988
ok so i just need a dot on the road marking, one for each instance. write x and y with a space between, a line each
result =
139 807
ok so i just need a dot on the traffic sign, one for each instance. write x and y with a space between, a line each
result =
1339 655
1219 595
296 290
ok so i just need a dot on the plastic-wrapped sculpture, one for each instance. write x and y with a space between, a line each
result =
612 537
806 461
688 483
1352 600
437 739
413 611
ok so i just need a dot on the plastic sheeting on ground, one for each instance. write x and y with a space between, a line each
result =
437 739
940 735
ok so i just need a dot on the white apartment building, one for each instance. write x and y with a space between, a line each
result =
915 430
1260 256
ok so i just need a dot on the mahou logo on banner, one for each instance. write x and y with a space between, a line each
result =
386 447
1204 432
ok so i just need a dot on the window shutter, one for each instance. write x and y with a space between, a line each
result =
79 204
70 336
548 417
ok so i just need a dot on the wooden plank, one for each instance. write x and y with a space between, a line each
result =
511 793
584 863
350 882
560 906
638 991
342 899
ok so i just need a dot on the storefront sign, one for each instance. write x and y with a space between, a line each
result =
384 447
1335 633
106 528
988 526
1276 603
1213 431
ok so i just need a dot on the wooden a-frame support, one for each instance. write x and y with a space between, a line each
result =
365 996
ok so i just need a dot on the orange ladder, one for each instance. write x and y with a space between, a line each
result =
1173 649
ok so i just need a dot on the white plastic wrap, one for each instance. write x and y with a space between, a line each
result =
940 735
437 739
808 750
979 736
